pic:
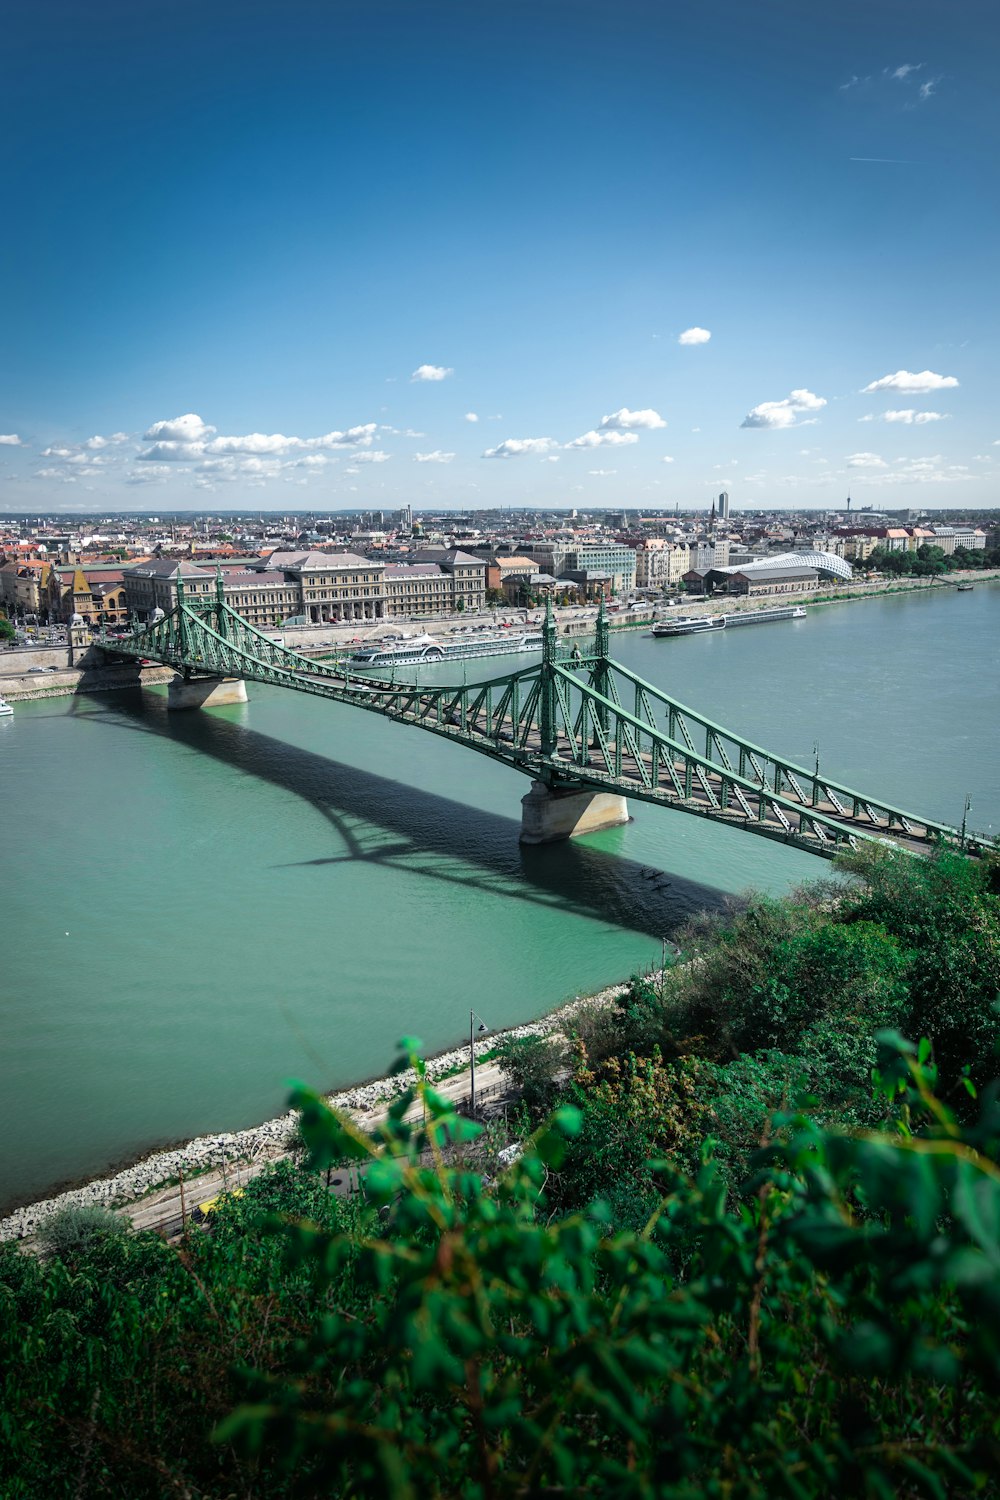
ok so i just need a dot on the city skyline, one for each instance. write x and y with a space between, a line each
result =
317 259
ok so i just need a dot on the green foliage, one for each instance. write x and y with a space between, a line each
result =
68 1231
720 1269
945 912
633 1112
836 1333
536 1067
7 631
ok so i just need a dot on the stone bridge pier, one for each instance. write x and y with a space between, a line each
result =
552 813
205 692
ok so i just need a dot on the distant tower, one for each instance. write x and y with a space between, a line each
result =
724 506
848 505
711 518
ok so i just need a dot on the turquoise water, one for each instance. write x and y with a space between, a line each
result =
199 907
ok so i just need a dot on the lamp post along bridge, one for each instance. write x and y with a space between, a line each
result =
589 732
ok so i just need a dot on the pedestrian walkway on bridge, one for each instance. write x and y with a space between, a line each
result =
588 732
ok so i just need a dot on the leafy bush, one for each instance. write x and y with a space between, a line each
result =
633 1111
945 912
536 1067
69 1230
836 1333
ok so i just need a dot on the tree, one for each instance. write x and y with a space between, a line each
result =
7 631
834 1332
536 1067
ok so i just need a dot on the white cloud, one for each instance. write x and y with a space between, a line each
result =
928 88
258 443
79 457
518 447
930 469
909 416
609 439
234 467
471 416
186 429
912 384
169 448
352 437
694 336
171 452
666 459
151 474
601 473
432 372
59 474
437 457
10 440
779 414
370 456
625 419
904 70
866 461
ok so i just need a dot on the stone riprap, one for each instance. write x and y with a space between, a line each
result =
271 1140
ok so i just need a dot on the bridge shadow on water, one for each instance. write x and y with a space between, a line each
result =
385 822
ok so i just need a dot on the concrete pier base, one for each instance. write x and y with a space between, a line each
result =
548 815
205 692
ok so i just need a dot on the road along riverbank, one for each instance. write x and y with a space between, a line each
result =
18 683
247 1152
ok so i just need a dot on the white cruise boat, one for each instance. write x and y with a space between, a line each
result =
765 616
689 625
5 707
435 648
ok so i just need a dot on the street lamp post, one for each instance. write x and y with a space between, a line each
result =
473 1018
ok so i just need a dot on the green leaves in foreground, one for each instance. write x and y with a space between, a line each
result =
837 1331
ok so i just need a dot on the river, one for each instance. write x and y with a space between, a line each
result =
198 907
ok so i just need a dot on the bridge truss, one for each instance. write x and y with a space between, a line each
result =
571 722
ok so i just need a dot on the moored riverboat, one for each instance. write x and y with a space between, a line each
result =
432 648
689 625
5 707
764 616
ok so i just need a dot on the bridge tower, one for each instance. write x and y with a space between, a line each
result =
559 805
207 691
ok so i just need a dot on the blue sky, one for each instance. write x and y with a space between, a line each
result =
279 255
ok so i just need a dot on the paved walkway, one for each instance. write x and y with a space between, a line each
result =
166 1209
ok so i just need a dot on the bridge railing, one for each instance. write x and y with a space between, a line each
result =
570 717
693 734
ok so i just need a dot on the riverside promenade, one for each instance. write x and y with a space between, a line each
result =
159 1192
21 680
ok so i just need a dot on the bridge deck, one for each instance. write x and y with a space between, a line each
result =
565 723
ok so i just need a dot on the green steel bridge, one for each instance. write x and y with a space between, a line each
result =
579 724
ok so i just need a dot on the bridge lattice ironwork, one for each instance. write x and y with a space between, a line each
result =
573 723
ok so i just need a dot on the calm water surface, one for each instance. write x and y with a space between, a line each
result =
199 907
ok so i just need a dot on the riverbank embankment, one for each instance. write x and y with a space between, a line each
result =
21 677
254 1148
